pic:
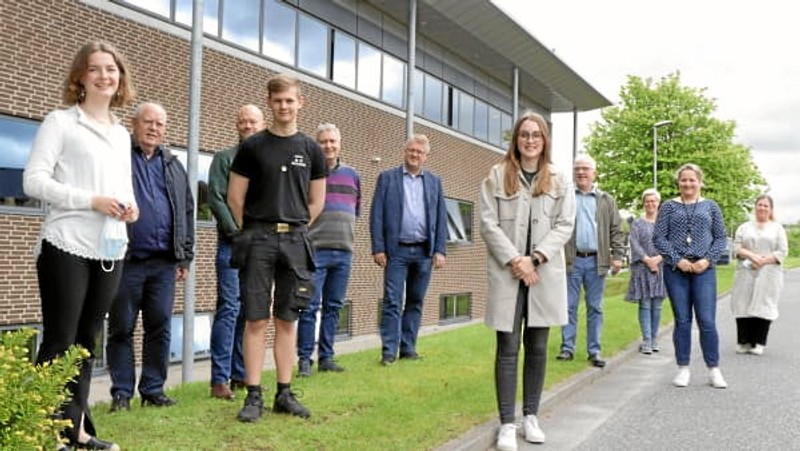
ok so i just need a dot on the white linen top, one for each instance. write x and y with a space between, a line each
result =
756 292
74 159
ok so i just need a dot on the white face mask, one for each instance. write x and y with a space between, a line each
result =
113 240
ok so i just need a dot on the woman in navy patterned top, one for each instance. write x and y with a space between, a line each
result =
690 235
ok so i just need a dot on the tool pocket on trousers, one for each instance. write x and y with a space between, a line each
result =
303 289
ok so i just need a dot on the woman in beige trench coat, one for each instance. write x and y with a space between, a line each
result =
527 215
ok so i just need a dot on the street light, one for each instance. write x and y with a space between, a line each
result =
656 126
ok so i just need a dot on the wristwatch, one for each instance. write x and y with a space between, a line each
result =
536 262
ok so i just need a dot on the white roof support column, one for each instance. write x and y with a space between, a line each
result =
515 96
574 132
412 62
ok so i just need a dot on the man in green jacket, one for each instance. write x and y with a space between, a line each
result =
597 245
227 363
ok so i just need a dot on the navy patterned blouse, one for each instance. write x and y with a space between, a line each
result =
691 231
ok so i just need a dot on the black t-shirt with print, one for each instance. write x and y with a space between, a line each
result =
279 170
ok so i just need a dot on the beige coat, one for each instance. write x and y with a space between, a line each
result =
504 228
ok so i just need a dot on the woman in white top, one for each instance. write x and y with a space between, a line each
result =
760 246
80 166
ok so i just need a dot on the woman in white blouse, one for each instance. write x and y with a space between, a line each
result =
80 166
760 246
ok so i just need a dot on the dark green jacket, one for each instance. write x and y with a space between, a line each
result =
218 191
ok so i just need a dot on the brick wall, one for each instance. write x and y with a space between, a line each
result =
38 42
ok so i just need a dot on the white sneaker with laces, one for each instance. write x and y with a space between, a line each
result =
507 437
533 433
715 378
742 349
683 377
758 350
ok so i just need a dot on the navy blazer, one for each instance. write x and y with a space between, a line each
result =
386 214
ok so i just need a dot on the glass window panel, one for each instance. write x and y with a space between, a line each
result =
419 91
466 111
160 7
312 46
279 31
394 75
455 223
495 133
343 328
369 71
201 345
344 60
183 14
506 128
240 22
462 305
432 108
203 165
481 120
16 142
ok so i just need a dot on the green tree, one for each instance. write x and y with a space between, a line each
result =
622 144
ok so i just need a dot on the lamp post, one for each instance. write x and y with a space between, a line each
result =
656 126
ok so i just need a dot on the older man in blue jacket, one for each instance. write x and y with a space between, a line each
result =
408 224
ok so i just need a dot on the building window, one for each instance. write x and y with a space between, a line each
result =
240 23
312 46
203 165
459 221
394 76
481 120
506 128
495 127
280 24
183 13
369 71
432 103
344 60
463 112
344 328
455 308
16 142
161 7
202 337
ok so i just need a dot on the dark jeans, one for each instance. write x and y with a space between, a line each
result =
331 277
76 294
696 293
147 285
409 268
227 361
506 362
752 331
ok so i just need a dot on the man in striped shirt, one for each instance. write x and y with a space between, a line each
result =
332 236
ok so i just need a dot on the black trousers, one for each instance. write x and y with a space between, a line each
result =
506 362
752 331
76 294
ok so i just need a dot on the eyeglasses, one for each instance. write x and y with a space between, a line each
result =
533 135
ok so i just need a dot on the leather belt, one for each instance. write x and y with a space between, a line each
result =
585 254
418 244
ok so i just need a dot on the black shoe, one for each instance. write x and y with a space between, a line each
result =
159 400
304 368
96 443
120 402
329 365
410 356
237 384
253 407
387 360
564 355
286 402
597 361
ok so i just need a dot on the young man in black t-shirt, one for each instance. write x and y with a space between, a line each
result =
276 189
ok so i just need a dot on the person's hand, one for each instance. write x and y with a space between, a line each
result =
522 268
700 266
380 259
616 267
685 265
130 214
181 274
109 206
758 261
438 261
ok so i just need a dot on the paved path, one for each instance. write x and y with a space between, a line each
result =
632 405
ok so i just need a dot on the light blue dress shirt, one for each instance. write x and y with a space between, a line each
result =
413 226
586 221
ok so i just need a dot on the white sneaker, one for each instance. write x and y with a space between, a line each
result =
683 377
742 349
715 378
507 437
758 350
533 433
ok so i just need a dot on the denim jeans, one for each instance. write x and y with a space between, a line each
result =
649 318
227 361
147 285
584 274
411 268
698 293
331 277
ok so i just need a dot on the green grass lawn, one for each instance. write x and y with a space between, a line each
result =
410 405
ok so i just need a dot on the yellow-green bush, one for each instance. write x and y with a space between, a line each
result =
30 394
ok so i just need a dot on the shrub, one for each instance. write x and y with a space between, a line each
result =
31 394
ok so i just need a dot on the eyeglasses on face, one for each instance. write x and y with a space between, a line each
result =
532 135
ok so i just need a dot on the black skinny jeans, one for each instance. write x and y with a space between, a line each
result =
534 366
76 294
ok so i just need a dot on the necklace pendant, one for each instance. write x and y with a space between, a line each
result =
689 240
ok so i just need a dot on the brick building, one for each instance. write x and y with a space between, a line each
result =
475 68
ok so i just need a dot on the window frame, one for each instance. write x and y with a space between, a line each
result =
444 315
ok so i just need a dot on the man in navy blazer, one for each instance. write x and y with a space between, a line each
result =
408 224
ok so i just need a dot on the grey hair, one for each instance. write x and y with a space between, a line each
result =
585 158
419 138
651 192
141 107
328 127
